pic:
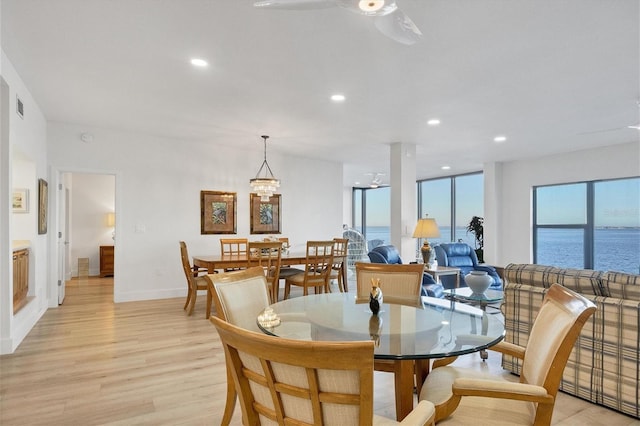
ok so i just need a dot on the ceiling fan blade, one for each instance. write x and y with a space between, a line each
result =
388 6
398 27
295 4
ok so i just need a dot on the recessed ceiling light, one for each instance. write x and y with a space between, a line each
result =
500 139
370 5
197 62
338 98
445 167
433 122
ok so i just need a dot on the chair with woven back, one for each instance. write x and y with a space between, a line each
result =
400 284
465 396
238 297
233 247
195 281
267 255
339 261
283 381
318 263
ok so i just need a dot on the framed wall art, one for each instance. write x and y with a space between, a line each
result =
265 215
217 212
20 200
43 201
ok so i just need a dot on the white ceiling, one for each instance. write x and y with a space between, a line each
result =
551 75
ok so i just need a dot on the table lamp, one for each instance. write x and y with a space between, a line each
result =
426 228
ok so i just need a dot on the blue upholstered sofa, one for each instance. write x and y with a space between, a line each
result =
462 255
390 254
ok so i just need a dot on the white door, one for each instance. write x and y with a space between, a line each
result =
63 240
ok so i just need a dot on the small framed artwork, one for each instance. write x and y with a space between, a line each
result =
265 215
20 200
43 201
217 212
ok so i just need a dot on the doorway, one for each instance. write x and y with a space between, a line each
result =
86 222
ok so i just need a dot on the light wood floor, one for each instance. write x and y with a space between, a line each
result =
93 362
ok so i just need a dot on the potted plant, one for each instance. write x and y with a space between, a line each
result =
476 227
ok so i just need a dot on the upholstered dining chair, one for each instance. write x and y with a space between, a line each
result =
239 296
283 381
317 268
400 284
233 247
267 255
466 396
195 281
339 261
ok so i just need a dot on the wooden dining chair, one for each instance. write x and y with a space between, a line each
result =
287 270
195 281
465 396
339 262
233 247
284 381
317 268
400 283
267 255
238 297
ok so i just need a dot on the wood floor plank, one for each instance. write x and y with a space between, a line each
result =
93 362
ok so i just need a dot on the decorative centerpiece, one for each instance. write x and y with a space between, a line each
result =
268 318
478 281
375 297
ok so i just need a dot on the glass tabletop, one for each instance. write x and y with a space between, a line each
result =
465 294
442 328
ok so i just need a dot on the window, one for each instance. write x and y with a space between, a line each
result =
372 213
591 225
452 202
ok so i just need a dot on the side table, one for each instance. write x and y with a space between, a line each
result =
465 295
437 271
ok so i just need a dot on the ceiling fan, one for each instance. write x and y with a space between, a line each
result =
376 180
386 15
631 126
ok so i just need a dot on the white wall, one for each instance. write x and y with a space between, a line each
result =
27 145
158 184
513 216
92 197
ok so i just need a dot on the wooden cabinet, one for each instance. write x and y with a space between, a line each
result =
106 261
20 278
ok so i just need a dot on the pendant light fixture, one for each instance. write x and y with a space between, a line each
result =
264 186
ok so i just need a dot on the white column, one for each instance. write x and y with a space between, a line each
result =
492 217
403 199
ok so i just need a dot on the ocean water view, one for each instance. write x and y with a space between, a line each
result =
616 249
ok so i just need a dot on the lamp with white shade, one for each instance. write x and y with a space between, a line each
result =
426 228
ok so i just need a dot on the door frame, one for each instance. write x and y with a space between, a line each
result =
57 267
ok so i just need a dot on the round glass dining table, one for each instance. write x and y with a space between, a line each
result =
407 334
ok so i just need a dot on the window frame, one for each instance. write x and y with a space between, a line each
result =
588 227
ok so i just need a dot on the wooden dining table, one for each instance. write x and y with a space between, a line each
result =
216 262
